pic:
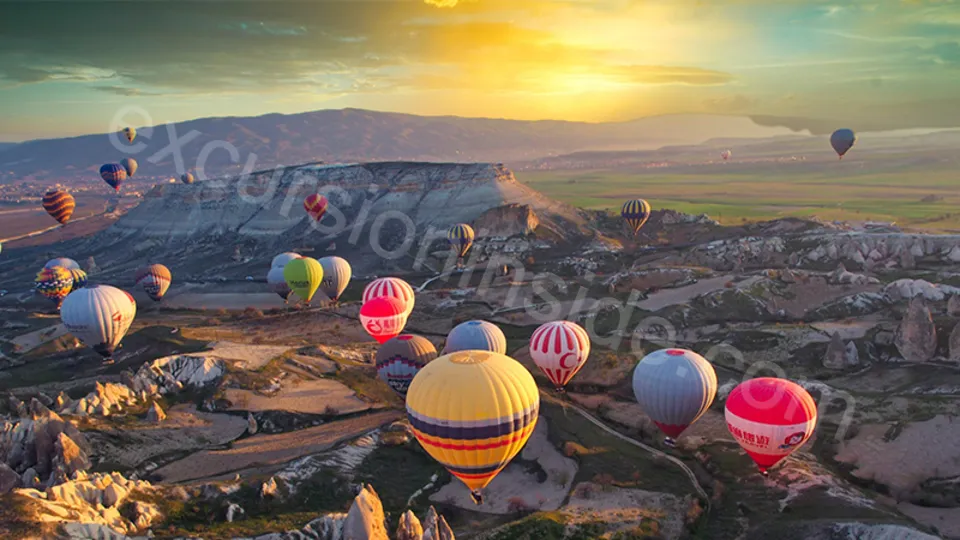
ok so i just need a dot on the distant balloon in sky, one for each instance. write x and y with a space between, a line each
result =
336 276
559 349
842 140
187 178
461 238
316 206
391 286
282 259
99 316
155 281
770 418
635 213
59 204
113 174
401 358
303 276
55 283
277 282
383 318
130 133
477 336
130 165
674 387
726 154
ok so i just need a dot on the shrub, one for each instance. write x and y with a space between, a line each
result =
517 505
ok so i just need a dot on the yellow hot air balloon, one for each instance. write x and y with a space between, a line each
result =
303 276
472 429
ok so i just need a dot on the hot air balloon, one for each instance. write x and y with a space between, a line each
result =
99 316
186 178
383 318
559 349
63 262
674 387
635 213
770 418
473 429
315 205
402 357
277 282
130 133
55 283
113 174
336 276
59 204
477 336
391 286
460 237
726 154
303 276
282 259
155 281
130 165
842 140
79 279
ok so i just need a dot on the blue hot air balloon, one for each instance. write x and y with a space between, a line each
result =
113 174
674 387
476 336
842 140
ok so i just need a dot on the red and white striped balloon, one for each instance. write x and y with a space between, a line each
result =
391 286
559 348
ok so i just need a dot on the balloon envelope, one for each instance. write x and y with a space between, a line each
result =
383 318
63 262
460 237
391 286
559 349
187 178
59 204
99 316
842 140
55 283
303 276
674 387
336 276
277 282
473 429
282 259
635 213
155 281
79 279
130 133
315 205
113 174
401 358
770 418
477 336
130 165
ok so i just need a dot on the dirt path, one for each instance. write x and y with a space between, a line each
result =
682 295
264 450
624 438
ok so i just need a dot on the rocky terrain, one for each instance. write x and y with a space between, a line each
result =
230 415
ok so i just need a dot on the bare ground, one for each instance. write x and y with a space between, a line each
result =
267 450
320 396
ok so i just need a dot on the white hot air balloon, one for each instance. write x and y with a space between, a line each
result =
277 282
282 259
99 316
559 348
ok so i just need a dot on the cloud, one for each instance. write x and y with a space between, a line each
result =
124 91
673 75
442 3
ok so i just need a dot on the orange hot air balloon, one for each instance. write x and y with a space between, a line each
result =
59 204
770 418
315 205
155 281
383 318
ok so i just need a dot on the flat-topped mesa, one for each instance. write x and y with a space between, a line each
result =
269 203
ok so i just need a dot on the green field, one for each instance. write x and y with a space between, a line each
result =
735 196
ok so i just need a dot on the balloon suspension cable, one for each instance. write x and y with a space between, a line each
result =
476 496
670 442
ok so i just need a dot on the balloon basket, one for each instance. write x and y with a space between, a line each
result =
669 442
107 362
476 496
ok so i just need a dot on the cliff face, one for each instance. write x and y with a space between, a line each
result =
390 201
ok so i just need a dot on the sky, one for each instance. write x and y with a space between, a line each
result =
74 67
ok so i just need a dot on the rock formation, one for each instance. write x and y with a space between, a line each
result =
409 527
436 527
916 336
505 221
953 305
836 355
41 442
954 346
155 414
261 207
95 499
365 520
